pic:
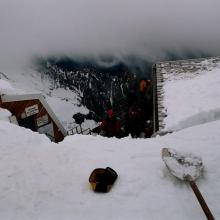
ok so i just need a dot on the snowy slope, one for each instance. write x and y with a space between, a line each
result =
44 180
60 99
192 101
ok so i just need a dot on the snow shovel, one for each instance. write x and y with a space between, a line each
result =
187 168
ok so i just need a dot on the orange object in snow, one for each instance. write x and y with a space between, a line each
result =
101 180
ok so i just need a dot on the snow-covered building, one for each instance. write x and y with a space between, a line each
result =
32 111
163 72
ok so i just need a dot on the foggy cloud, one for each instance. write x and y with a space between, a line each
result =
147 28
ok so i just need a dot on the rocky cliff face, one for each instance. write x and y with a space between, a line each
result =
99 87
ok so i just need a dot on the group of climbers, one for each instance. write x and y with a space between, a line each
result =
110 126
138 119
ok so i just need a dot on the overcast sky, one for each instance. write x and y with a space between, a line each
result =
117 27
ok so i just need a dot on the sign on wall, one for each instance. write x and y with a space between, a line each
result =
42 120
31 110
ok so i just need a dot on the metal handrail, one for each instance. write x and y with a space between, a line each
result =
81 131
71 131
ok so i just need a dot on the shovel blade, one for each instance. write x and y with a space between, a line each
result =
183 166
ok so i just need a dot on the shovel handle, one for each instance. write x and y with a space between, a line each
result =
201 200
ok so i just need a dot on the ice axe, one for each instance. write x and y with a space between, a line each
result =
187 168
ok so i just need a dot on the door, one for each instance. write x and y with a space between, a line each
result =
28 122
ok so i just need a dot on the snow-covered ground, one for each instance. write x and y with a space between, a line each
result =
44 180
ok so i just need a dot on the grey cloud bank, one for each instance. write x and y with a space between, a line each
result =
98 27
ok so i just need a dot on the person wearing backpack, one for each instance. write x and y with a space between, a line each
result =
110 126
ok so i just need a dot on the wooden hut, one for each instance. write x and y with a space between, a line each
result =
32 111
